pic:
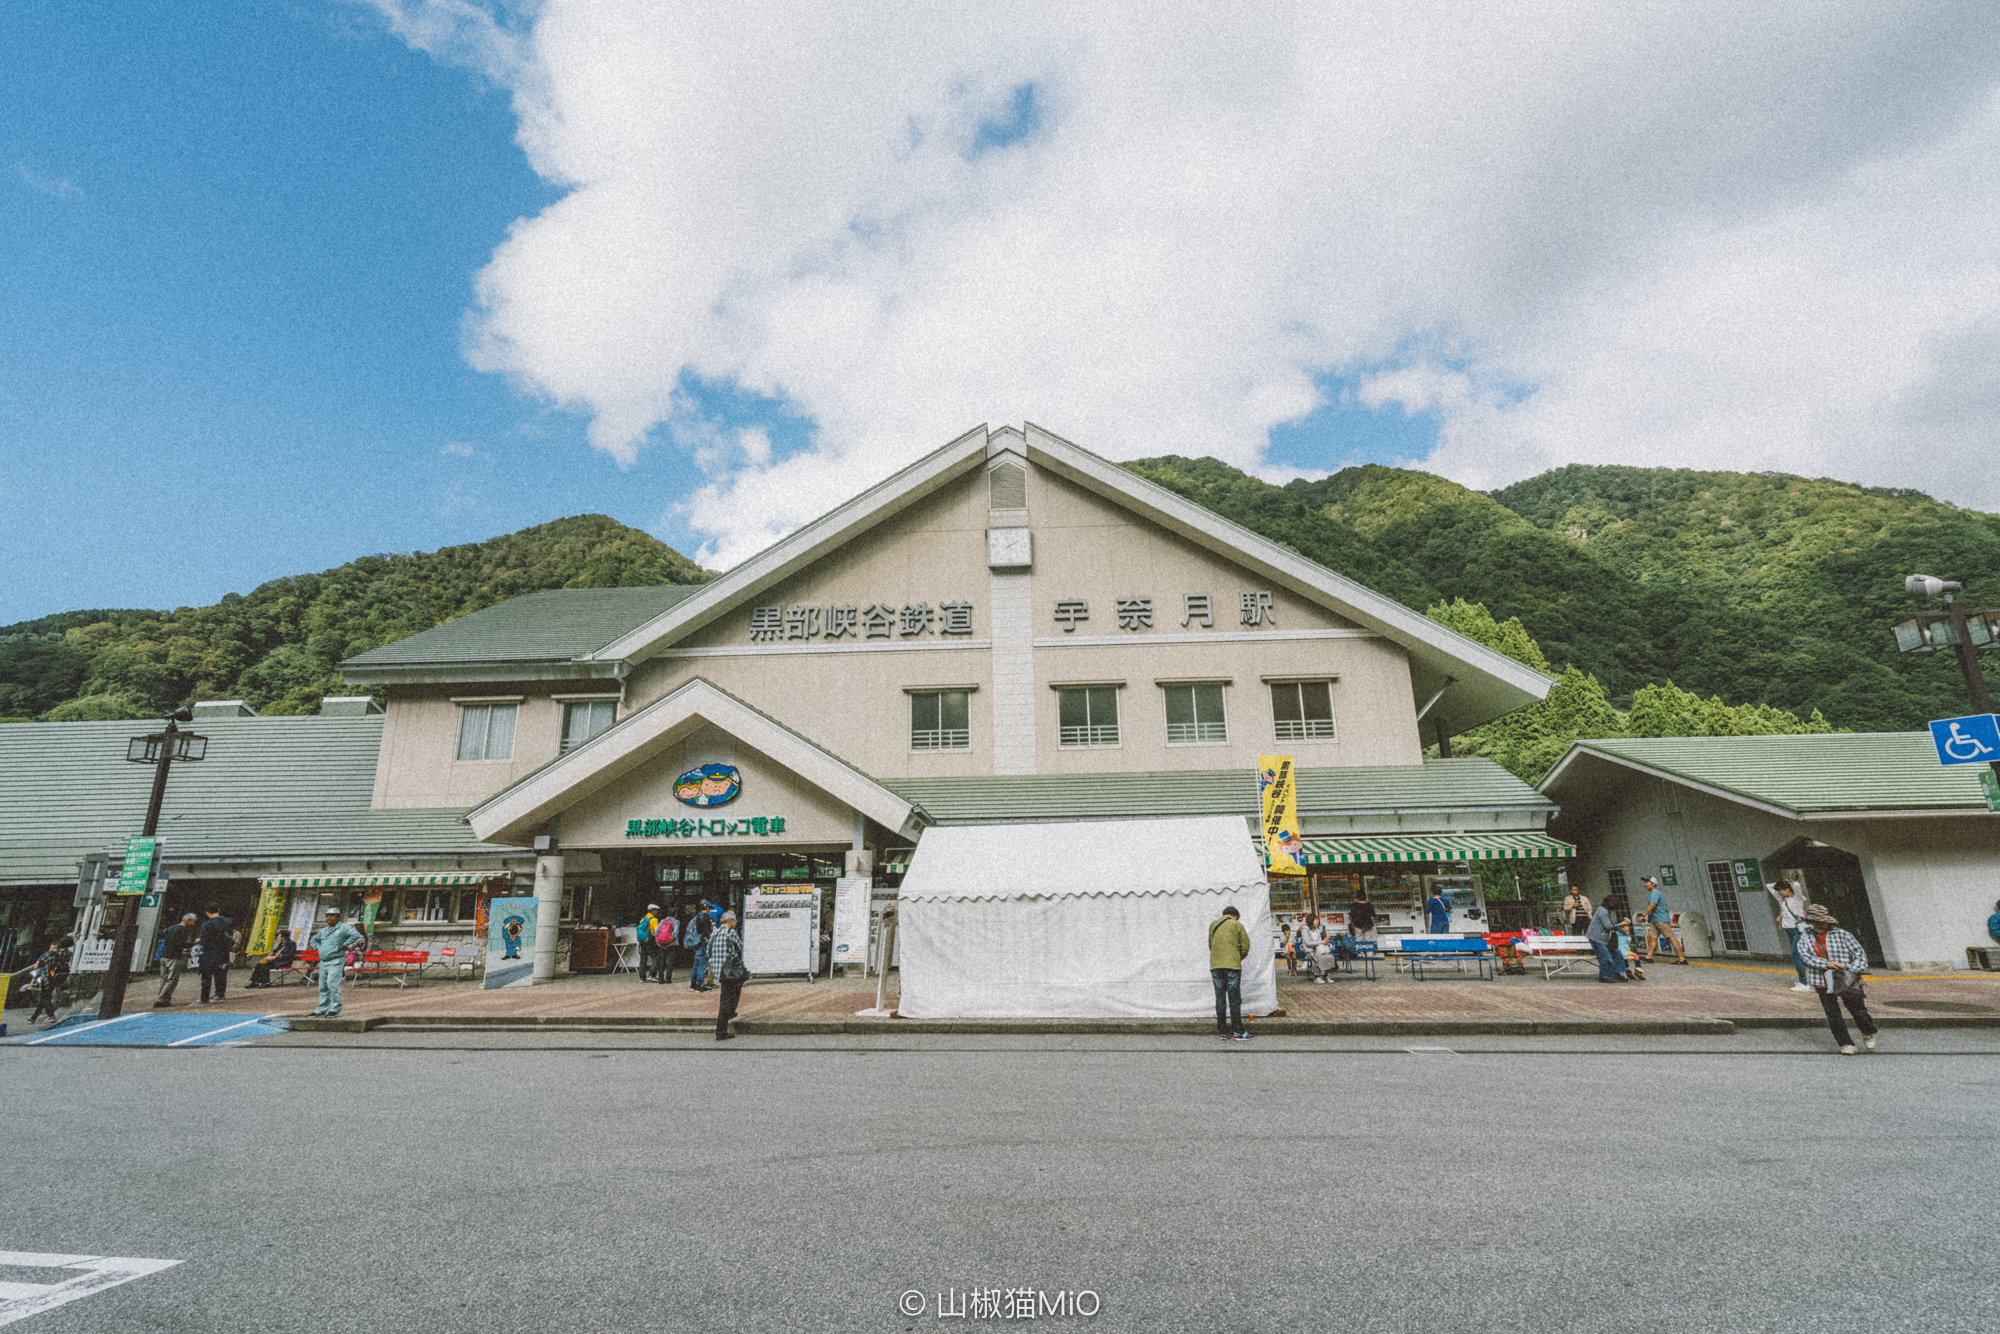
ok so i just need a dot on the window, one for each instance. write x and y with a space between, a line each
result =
486 731
1194 713
1087 716
1302 710
939 720
1614 894
584 719
1728 914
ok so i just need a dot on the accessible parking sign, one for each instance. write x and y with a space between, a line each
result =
1974 739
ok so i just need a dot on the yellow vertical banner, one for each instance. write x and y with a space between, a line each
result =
1281 814
264 926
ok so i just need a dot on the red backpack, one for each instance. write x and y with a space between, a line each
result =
668 928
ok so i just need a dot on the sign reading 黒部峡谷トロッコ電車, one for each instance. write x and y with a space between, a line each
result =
753 826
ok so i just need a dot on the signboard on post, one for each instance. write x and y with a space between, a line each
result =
1282 845
780 933
135 875
850 918
1974 739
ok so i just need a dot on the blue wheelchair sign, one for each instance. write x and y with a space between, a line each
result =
1971 740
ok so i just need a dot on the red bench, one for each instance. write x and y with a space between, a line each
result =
399 964
303 966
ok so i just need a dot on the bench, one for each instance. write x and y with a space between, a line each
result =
1362 960
399 964
456 965
1560 954
301 967
1415 953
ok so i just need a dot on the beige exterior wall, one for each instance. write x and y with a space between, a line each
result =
850 695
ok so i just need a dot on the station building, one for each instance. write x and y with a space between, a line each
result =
1010 631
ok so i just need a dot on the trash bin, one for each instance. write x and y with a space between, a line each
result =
1692 928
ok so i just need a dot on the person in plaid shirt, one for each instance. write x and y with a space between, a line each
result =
1824 947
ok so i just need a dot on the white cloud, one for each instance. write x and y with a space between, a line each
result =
1750 236
457 449
54 186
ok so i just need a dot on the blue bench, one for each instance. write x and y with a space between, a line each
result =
1361 960
1424 956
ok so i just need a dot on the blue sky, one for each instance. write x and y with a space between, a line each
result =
240 243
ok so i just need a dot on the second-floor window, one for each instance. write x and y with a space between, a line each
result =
1302 710
1087 716
486 731
584 719
940 720
1194 713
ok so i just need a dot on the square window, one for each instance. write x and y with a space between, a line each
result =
940 720
1194 714
584 719
486 731
1302 710
1087 716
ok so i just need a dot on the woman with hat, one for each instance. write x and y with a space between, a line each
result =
1835 963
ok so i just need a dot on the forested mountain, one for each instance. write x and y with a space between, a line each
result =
276 645
1760 588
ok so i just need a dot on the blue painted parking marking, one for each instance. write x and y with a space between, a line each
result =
153 1030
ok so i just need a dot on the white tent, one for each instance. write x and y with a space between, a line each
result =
1092 919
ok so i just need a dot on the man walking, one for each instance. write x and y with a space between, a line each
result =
649 945
174 958
217 940
1835 962
725 957
1603 936
333 941
1228 946
1791 921
1661 921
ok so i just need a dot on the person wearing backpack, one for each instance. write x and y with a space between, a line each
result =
1835 963
649 946
50 971
665 938
696 938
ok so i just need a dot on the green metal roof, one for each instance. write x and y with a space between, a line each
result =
555 626
1845 771
1434 785
294 788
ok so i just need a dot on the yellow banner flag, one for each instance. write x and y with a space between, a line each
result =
264 926
1281 814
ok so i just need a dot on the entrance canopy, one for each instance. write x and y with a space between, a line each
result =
1102 918
1366 848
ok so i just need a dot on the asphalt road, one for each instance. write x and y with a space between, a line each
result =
417 1182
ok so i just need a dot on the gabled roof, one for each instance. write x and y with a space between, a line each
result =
548 631
1842 775
515 814
270 789
1484 683
1454 786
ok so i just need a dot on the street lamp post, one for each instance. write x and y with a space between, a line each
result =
160 749
1954 627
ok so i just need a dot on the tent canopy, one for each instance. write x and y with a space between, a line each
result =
1104 918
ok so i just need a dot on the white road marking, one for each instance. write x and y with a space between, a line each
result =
72 1032
202 1037
18 1301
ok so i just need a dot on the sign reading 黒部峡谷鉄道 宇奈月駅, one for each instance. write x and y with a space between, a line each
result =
759 826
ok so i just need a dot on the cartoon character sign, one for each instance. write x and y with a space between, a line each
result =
708 785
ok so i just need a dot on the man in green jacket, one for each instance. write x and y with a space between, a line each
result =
1228 946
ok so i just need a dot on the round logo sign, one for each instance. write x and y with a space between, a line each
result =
710 785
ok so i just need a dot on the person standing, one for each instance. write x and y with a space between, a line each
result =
174 958
1438 908
1361 916
1603 936
1836 963
333 941
1660 921
1228 946
1791 921
725 957
51 970
217 939
667 939
697 942
281 956
649 945
1576 911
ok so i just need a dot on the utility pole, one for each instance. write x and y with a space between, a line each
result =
160 749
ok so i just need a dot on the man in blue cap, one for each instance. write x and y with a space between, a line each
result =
333 941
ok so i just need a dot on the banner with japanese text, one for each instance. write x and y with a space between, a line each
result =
1282 844
264 926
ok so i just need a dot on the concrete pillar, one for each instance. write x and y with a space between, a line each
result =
548 913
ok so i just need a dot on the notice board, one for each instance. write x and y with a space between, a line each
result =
781 932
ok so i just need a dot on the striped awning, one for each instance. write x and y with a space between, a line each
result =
359 881
898 860
1365 848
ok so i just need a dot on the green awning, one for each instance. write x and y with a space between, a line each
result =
898 861
1365 848
357 881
